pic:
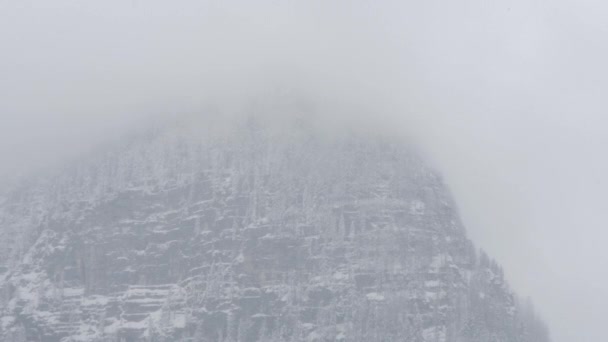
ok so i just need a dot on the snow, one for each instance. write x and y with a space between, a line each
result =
374 296
110 231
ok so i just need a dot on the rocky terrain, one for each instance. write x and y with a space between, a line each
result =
255 235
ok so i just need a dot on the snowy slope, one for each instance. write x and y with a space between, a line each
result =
256 235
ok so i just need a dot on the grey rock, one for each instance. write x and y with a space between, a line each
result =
254 236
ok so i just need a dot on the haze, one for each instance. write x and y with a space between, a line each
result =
506 97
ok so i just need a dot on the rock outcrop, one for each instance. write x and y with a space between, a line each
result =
257 235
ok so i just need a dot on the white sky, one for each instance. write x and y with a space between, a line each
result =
508 97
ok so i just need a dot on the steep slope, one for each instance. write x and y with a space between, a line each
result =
256 235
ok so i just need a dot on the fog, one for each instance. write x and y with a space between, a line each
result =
506 98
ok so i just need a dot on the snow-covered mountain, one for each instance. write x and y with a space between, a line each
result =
257 234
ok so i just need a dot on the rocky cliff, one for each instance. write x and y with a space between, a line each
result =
254 235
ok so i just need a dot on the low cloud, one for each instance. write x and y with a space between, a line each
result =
507 99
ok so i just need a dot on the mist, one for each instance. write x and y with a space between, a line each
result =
506 99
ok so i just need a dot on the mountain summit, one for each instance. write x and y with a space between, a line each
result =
259 234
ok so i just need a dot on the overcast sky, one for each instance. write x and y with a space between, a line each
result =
508 98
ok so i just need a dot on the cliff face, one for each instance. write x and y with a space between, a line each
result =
253 236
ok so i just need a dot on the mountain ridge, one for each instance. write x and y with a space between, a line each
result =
263 234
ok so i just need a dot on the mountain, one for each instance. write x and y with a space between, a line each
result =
256 233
